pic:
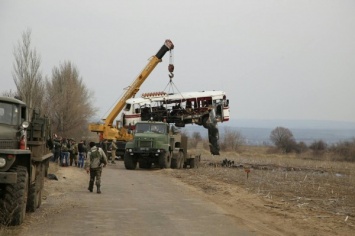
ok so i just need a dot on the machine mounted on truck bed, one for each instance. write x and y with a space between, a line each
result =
24 159
158 144
108 130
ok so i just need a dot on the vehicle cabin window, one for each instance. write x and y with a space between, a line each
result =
142 128
158 128
8 114
127 107
2 114
137 108
23 114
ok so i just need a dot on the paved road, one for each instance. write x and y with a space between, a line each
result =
140 202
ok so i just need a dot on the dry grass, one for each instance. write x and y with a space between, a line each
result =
321 186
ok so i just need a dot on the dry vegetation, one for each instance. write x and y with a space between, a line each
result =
294 186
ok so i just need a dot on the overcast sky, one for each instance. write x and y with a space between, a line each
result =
275 59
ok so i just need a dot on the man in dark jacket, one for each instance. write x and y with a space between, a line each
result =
82 152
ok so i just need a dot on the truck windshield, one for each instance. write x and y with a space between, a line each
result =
8 114
156 128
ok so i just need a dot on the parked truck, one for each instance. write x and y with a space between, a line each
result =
25 151
157 144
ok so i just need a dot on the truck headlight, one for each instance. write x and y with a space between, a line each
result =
158 150
2 162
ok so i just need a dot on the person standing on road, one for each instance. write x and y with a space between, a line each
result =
113 151
75 152
81 150
64 153
95 161
57 147
71 151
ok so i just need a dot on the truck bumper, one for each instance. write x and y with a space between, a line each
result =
8 177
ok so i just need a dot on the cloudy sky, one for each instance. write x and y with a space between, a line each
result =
275 59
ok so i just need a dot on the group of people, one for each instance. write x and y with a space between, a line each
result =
90 157
69 152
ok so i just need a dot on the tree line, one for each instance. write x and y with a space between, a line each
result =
283 142
62 96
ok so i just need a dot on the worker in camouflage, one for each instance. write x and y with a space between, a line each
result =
113 151
96 159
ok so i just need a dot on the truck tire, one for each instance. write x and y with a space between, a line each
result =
192 163
15 197
164 160
130 162
34 200
180 163
174 163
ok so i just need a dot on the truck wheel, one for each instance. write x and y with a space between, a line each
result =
130 162
15 197
192 163
174 164
35 194
32 200
164 160
175 161
180 163
205 123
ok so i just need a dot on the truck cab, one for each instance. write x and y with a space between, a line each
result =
24 159
157 144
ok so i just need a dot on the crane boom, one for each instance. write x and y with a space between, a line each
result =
106 129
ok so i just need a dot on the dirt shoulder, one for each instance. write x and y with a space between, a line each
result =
273 199
277 200
54 197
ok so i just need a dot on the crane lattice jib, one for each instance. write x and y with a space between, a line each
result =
134 88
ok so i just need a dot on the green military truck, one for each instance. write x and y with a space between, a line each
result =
25 145
157 144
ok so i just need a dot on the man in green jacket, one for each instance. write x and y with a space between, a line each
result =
96 159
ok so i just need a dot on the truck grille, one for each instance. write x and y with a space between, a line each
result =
8 144
145 144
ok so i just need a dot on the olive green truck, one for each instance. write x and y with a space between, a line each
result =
25 151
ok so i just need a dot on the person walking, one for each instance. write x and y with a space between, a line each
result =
64 153
95 161
113 151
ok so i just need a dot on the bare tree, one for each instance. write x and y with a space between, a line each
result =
68 101
283 139
9 93
26 74
232 140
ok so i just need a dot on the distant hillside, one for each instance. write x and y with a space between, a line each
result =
257 132
291 124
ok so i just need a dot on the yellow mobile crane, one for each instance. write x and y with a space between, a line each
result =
106 130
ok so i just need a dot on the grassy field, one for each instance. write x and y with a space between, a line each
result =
315 185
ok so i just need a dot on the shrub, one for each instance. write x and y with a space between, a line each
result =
318 147
345 150
231 140
283 139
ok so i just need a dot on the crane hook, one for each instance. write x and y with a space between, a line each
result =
171 70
